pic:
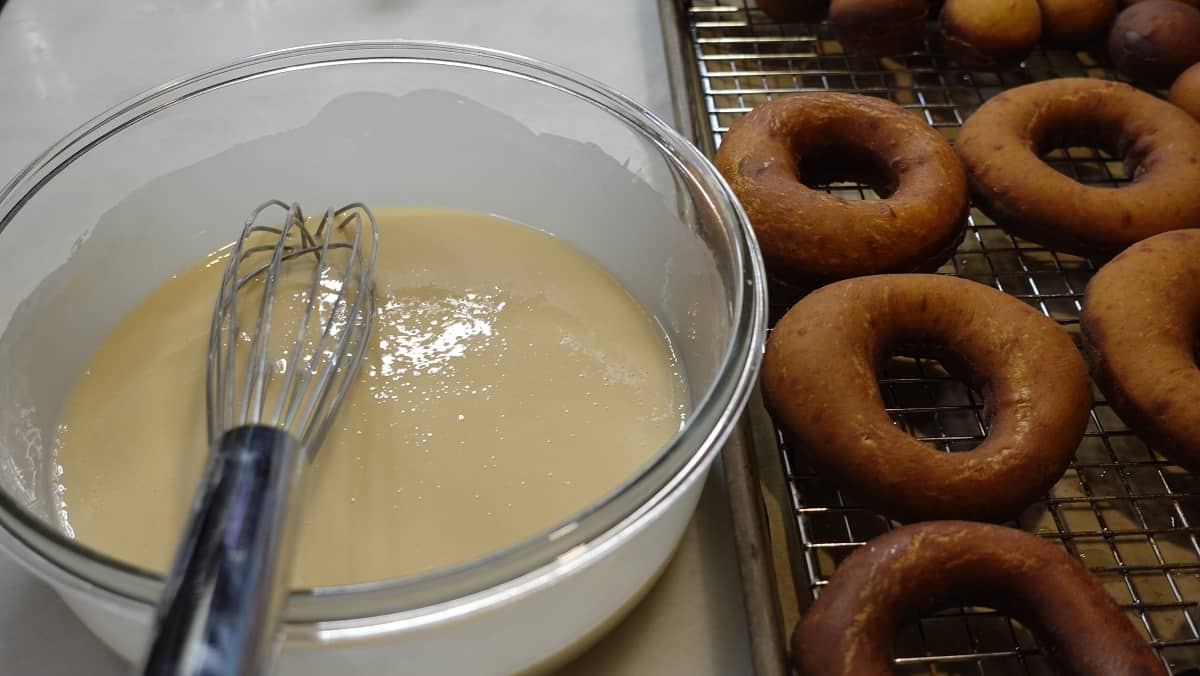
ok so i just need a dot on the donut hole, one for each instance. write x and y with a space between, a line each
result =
932 395
1090 153
962 628
846 170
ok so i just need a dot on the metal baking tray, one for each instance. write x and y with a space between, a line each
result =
1129 515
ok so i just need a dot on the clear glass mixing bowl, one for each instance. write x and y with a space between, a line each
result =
114 208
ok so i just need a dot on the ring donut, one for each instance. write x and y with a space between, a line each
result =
1139 325
820 385
902 574
810 237
1001 143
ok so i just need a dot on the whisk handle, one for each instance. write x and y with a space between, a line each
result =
219 612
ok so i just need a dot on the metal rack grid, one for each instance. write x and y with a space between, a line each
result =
1131 517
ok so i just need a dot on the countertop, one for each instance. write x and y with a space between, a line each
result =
62 62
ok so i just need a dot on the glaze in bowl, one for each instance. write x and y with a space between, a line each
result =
117 206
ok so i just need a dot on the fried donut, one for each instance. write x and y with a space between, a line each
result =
1154 41
810 237
990 31
1075 22
1141 315
903 574
1001 144
1185 93
820 385
878 27
792 11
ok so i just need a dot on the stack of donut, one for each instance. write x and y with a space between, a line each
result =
859 263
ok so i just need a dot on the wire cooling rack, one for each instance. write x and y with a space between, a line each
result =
1130 516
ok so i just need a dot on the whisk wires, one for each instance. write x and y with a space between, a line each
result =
289 371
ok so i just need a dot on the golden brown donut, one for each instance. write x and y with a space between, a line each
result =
1156 40
907 572
811 237
793 11
878 27
1140 318
1001 144
1075 22
991 31
1185 93
820 385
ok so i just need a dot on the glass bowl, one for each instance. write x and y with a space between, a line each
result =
117 206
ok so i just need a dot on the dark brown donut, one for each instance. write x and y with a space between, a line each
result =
900 575
1140 319
878 27
1001 144
1156 40
1075 22
1185 93
810 237
820 384
793 11
990 31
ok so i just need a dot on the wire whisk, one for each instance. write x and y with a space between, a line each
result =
289 330
324 355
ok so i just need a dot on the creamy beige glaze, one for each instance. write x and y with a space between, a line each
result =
511 381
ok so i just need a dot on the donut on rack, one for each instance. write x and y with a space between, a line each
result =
820 384
1001 145
990 31
1156 40
1185 93
773 154
1071 23
1140 326
900 575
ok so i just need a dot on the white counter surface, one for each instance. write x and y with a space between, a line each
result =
61 62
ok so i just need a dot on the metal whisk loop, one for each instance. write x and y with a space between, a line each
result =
313 380
350 341
271 397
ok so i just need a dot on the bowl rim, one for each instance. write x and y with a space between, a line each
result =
539 559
